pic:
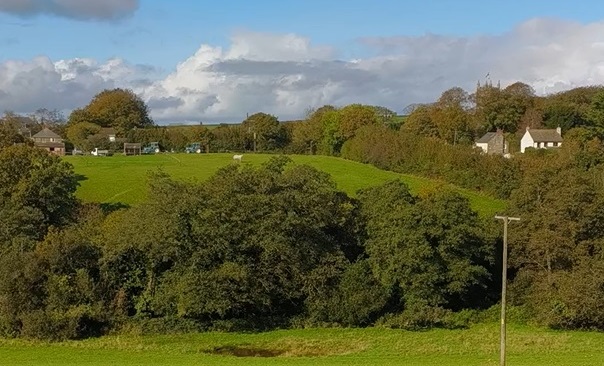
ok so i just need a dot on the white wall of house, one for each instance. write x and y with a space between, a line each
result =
526 141
483 146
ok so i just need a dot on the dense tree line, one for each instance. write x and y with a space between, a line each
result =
274 245
280 245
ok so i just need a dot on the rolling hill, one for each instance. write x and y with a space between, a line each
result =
123 178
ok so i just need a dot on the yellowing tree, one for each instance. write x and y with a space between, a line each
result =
451 117
354 116
121 109
78 134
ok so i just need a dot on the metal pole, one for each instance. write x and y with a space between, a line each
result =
504 280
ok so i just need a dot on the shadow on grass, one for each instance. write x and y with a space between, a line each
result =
81 177
109 207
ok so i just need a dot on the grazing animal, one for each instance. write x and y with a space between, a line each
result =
237 158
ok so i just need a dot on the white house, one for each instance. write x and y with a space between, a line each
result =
541 139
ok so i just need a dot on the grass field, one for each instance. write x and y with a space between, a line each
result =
477 346
123 178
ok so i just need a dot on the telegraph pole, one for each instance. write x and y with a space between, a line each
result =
504 280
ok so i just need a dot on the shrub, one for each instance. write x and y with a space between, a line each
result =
76 323
417 318
164 325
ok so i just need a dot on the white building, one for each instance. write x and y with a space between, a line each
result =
541 139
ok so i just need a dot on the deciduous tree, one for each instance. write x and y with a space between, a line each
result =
32 178
266 130
431 248
119 108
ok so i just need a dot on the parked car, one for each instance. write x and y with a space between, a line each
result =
152 148
77 152
97 152
193 148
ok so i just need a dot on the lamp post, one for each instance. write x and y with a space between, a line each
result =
504 280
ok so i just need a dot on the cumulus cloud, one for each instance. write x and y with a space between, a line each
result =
287 74
65 84
76 9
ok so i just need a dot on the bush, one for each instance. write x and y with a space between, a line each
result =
424 317
9 324
164 325
418 318
573 299
353 297
75 323
514 314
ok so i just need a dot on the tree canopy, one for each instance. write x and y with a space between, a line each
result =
31 178
119 108
265 131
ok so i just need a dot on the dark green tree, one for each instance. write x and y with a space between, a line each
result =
32 178
240 244
265 130
10 131
432 248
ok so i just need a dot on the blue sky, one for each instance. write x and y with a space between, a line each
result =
164 34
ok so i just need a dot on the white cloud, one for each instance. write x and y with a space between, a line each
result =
75 9
286 74
65 84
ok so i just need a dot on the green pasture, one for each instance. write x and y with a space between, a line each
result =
123 178
477 346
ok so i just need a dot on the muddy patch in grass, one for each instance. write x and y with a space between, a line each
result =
290 348
244 351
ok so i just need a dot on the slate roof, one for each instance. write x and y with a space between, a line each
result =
486 138
545 135
46 134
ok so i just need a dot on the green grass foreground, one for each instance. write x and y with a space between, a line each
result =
123 178
477 346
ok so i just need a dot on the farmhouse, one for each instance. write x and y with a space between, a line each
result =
541 139
50 141
493 143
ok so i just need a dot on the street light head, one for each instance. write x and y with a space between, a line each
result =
507 218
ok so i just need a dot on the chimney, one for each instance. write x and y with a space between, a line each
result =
559 130
528 128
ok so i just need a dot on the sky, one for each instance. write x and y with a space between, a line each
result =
216 61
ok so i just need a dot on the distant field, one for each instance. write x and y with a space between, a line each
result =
123 178
477 346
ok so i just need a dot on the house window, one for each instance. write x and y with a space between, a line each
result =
555 144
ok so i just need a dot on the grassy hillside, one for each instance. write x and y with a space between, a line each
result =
477 346
123 178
